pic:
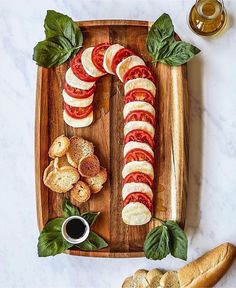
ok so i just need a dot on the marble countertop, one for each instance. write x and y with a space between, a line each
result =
211 196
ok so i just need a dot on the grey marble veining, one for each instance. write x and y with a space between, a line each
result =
212 196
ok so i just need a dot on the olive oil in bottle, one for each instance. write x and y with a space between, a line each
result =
207 17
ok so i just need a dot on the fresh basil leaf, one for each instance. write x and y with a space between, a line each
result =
92 243
51 242
160 34
69 209
57 24
178 240
52 52
179 53
90 217
156 245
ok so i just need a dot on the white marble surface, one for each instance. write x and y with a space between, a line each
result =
212 192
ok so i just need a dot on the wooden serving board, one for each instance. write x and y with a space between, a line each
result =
172 140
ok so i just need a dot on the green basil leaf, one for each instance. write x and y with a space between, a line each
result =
52 52
160 34
69 209
57 24
90 217
178 240
179 53
156 245
51 242
92 243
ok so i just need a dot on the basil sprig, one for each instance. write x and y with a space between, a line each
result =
63 39
51 242
163 47
165 239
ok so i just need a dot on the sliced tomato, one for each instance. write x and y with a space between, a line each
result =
119 56
98 55
140 94
78 69
78 112
140 115
139 71
138 155
139 135
139 197
138 177
78 93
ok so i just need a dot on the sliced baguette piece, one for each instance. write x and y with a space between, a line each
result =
61 180
77 123
109 55
138 166
47 170
76 102
138 105
139 278
153 278
207 270
80 193
89 166
140 83
60 162
132 187
129 283
170 280
59 147
136 213
79 148
127 64
139 125
89 67
75 82
96 183
137 145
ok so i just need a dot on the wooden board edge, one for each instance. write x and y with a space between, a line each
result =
106 254
112 22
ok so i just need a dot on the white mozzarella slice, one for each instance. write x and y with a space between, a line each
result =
137 145
127 64
136 213
138 105
138 166
89 67
133 187
77 123
139 125
77 102
109 55
140 83
75 82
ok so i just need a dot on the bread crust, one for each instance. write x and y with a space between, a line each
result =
47 170
170 280
59 147
89 166
96 183
153 278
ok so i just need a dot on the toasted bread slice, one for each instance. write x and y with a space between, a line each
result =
80 193
139 278
79 148
89 166
129 283
59 147
48 169
60 162
170 280
61 180
153 278
96 183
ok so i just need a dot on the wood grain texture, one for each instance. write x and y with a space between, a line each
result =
172 140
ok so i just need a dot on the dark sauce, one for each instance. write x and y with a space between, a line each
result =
75 228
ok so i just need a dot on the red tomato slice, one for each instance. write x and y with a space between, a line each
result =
78 93
78 112
138 177
140 115
119 56
140 94
98 55
78 69
139 197
139 71
138 155
139 136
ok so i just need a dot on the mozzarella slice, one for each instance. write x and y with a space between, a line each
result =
89 67
136 213
139 125
77 102
77 123
109 55
127 64
140 83
132 187
138 166
74 81
137 145
138 105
